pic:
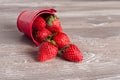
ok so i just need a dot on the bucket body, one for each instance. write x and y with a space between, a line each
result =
26 18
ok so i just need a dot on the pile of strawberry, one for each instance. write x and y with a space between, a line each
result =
48 32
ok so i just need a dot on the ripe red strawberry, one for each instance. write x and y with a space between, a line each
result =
39 23
41 35
72 53
47 51
53 23
61 39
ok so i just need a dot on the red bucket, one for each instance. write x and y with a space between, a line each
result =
26 18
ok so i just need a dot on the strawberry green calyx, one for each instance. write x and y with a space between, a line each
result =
49 39
55 17
50 19
62 50
53 42
53 24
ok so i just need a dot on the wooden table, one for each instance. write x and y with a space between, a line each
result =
94 26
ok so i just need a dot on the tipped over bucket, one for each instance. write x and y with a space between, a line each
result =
26 18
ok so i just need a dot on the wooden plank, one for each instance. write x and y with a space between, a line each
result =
92 25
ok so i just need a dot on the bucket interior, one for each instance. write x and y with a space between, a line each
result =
45 15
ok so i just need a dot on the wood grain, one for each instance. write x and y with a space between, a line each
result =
94 26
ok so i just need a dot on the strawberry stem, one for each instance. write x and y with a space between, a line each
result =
64 48
55 33
53 42
49 20
48 38
60 52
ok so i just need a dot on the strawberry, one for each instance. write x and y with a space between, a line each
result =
41 35
61 39
72 53
39 23
53 23
47 51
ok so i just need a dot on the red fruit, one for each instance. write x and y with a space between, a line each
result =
39 23
41 35
47 51
72 53
61 39
53 24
